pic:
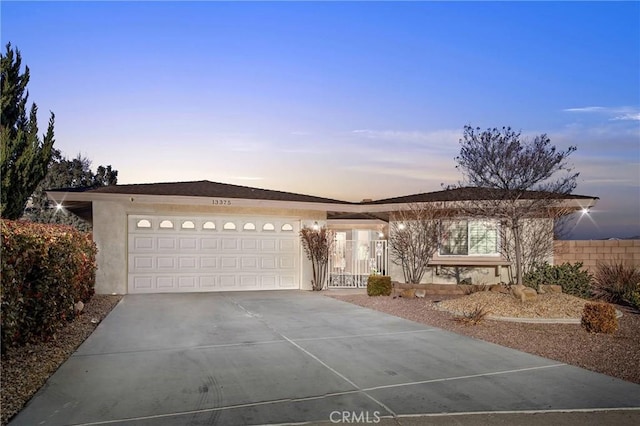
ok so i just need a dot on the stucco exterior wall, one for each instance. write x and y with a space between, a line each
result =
537 239
592 252
110 234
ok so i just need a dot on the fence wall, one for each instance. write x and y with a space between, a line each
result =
592 252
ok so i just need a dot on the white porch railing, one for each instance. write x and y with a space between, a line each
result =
351 262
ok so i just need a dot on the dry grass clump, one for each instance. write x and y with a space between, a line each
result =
476 316
618 282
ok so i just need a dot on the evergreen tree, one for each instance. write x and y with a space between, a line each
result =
66 173
23 157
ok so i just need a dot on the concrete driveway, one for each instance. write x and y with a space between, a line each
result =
289 357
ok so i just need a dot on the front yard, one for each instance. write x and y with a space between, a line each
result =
616 355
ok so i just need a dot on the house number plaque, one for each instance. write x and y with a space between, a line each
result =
221 202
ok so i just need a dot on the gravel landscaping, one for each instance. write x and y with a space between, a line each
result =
25 369
616 355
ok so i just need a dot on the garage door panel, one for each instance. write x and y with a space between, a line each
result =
268 282
249 263
268 262
189 257
142 263
188 282
250 281
228 282
210 243
166 243
288 281
249 244
287 262
165 282
188 243
141 282
268 244
188 263
229 263
208 263
287 245
142 243
230 244
166 263
208 282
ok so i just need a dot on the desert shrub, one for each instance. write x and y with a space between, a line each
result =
379 285
475 316
45 270
618 282
571 277
599 318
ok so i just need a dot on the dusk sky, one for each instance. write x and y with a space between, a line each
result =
345 100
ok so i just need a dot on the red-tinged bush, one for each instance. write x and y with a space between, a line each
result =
46 269
599 318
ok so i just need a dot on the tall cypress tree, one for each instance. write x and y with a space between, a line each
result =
23 157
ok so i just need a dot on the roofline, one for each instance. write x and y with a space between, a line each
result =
60 197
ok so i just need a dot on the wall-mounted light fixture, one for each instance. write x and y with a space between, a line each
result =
316 226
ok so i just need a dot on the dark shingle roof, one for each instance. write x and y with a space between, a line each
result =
203 188
470 194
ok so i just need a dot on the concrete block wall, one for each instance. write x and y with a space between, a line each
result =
592 252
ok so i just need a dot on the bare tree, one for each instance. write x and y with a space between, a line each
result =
523 178
317 244
414 238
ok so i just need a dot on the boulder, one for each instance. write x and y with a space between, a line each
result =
421 293
499 288
408 293
78 307
524 294
550 289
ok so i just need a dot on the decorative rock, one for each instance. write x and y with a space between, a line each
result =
409 293
550 289
524 294
421 293
79 306
499 288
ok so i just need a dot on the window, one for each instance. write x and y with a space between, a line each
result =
166 224
249 226
143 223
187 224
229 226
209 225
287 227
470 238
268 227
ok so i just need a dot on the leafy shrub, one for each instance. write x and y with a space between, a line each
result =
379 285
599 318
571 277
618 282
45 270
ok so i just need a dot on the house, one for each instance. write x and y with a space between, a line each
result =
207 236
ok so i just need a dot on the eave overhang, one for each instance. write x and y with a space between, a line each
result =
80 203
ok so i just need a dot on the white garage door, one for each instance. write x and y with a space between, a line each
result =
192 254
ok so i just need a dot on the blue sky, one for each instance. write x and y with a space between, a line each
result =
347 100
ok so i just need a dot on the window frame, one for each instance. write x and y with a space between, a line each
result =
470 235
